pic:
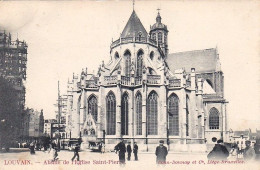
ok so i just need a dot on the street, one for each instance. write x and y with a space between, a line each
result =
95 160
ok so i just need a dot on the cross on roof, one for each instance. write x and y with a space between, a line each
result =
158 9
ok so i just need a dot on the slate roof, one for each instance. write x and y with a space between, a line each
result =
133 27
201 60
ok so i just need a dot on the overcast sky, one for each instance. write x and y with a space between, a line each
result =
64 37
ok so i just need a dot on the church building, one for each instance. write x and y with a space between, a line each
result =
144 94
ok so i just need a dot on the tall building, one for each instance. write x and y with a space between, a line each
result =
13 59
144 94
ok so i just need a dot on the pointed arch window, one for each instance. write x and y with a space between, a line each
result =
116 56
92 107
173 115
127 57
111 114
213 118
124 115
139 64
152 55
152 114
138 114
154 36
187 116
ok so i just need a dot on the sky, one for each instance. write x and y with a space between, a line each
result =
64 37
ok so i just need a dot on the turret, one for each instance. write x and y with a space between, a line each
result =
159 33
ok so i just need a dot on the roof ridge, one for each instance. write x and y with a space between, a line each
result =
195 51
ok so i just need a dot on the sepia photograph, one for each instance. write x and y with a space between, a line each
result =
130 84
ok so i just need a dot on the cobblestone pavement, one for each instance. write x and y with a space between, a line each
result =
95 160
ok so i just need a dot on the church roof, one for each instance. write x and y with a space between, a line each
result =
202 60
133 27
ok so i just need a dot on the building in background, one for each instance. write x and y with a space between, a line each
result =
53 129
144 94
240 137
48 127
36 124
13 61
62 109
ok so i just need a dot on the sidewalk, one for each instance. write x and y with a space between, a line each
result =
13 150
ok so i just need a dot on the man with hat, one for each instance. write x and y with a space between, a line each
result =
129 151
161 153
219 152
249 152
135 150
120 147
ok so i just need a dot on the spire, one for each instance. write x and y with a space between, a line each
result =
133 5
134 27
158 18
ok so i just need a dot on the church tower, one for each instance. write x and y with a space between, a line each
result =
159 33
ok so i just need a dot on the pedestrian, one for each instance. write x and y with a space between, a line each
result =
121 149
161 153
129 151
76 152
31 147
219 152
135 150
234 150
55 153
102 147
249 152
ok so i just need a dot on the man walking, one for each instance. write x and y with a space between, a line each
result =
76 152
249 152
135 150
120 147
129 151
219 152
161 153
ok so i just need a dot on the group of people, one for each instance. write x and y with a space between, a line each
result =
220 152
161 152
121 149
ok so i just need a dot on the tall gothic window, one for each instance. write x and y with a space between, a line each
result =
138 114
160 38
187 116
92 107
173 115
127 56
165 39
124 115
111 114
213 118
152 114
139 63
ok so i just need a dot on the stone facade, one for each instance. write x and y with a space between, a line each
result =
141 95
